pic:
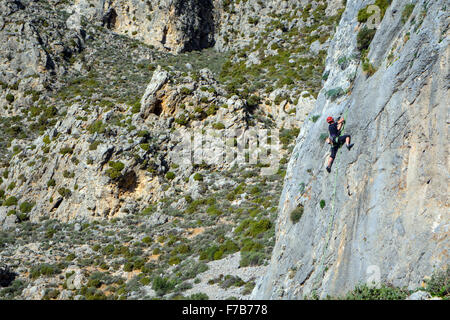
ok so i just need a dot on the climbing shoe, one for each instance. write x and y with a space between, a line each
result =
349 146
328 169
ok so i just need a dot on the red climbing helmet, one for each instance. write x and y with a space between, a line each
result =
330 119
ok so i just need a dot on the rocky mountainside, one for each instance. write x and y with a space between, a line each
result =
382 214
143 147
106 190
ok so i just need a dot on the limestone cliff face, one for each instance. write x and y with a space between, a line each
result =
391 210
173 26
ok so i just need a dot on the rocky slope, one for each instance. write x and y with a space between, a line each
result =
106 191
97 198
382 214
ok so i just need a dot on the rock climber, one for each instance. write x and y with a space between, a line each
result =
335 139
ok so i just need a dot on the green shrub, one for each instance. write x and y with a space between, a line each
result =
214 211
334 93
143 133
64 192
170 175
253 228
68 174
259 227
46 140
44 270
94 145
182 120
218 126
51 183
322 204
253 101
162 285
297 213
439 284
147 211
364 38
252 259
251 245
210 253
287 136
185 91
11 201
407 11
385 292
136 107
25 207
66 150
363 14
212 110
97 127
198 296
128 267
115 170
315 118
198 177
10 98
174 260
147 240
368 68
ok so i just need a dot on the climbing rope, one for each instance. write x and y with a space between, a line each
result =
333 213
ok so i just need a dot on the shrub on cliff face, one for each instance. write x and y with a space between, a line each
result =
25 207
115 171
66 150
10 98
11 201
198 177
296 214
170 175
364 15
384 292
51 183
364 38
97 127
64 192
439 284
407 11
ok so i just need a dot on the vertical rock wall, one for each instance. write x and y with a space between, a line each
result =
391 218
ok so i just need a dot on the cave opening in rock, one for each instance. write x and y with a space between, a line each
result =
110 18
128 182
158 108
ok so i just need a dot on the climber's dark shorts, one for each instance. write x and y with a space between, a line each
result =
334 148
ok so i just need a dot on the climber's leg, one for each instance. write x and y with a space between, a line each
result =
334 150
346 138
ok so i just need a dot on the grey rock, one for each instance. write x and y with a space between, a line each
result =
149 100
65 295
9 222
386 212
157 219
419 295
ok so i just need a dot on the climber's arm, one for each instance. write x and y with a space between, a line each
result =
340 124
